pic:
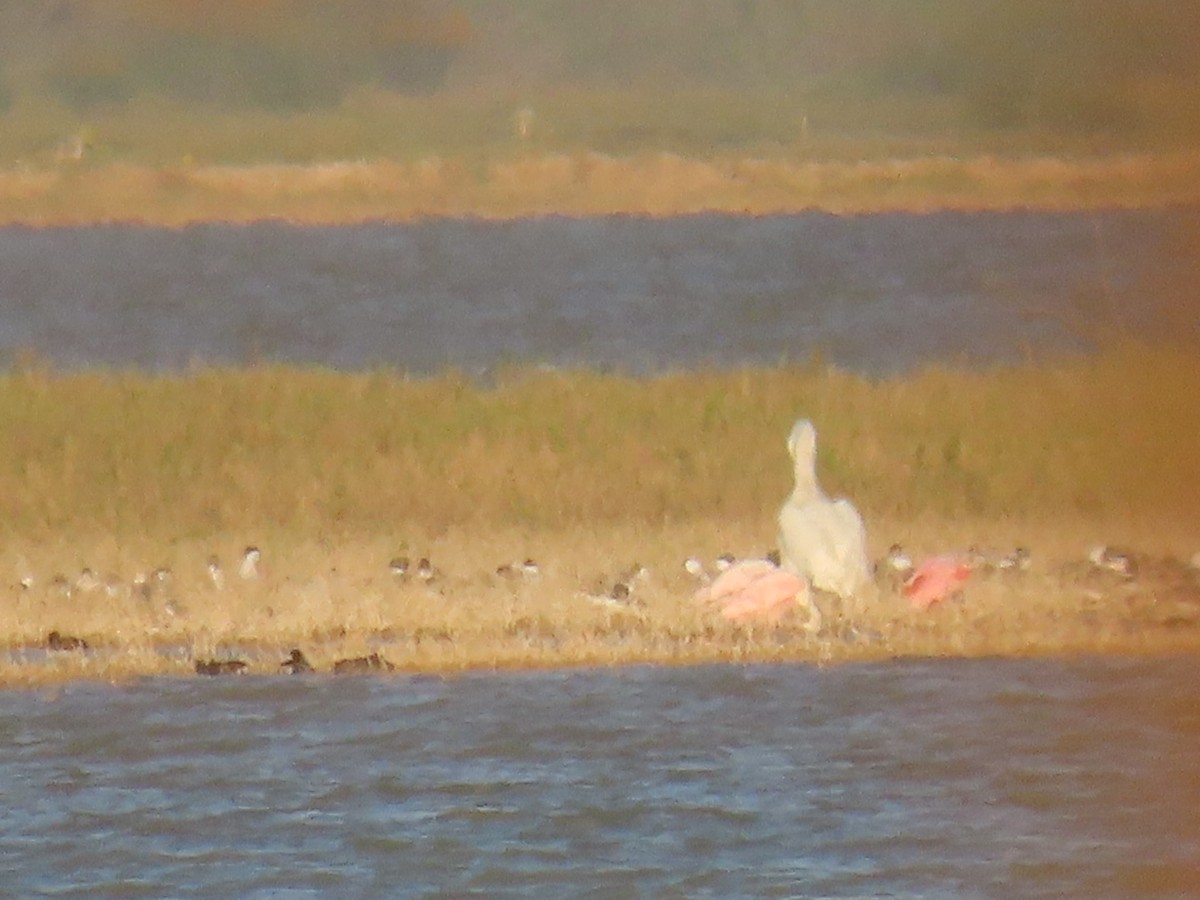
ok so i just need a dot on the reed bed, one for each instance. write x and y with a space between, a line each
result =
584 183
333 474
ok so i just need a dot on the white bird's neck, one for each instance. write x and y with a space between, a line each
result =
806 489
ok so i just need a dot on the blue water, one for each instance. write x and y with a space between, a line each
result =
877 293
915 779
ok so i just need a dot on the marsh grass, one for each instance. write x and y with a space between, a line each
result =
519 183
333 474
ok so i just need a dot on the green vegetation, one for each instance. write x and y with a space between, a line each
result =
303 81
334 474
315 452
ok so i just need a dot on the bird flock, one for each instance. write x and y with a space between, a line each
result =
821 560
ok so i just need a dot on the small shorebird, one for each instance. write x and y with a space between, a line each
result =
216 575
87 582
361 665
1114 560
215 667
725 562
694 567
141 588
60 586
1019 560
895 568
249 567
297 662
425 571
64 642
635 574
897 560
399 567
620 597
527 570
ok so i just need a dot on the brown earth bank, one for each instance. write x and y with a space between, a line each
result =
582 184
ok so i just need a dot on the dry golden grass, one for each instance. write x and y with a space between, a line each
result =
582 183
333 474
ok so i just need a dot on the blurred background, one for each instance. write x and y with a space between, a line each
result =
164 81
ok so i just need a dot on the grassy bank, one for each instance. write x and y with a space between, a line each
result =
582 184
333 474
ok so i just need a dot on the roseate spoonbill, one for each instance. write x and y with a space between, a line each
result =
821 540
756 588
935 579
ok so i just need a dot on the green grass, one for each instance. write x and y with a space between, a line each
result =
334 473
321 452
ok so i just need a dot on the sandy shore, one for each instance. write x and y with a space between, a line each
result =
583 184
341 602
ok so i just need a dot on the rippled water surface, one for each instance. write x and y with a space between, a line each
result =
938 779
916 779
876 293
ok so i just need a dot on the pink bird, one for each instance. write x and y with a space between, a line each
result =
935 579
754 588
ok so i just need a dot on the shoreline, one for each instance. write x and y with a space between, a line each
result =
582 184
343 602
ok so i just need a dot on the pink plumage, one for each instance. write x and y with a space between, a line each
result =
935 579
754 588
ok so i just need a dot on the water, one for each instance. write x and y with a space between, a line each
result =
876 293
918 779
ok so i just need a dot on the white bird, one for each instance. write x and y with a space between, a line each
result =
87 582
1020 560
527 570
694 567
249 568
822 540
215 574
898 560
1112 559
